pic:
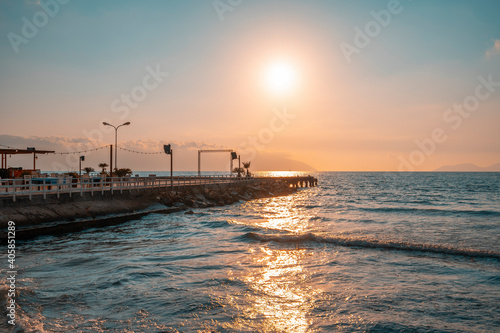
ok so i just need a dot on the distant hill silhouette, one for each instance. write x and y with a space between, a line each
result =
469 167
266 161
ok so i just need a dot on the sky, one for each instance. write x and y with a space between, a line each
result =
290 85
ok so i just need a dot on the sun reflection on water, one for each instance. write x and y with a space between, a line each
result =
280 296
280 173
282 213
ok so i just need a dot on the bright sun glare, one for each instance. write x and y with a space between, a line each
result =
281 78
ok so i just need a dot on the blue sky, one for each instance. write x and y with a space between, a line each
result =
63 81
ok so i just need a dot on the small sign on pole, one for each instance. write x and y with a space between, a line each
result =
168 150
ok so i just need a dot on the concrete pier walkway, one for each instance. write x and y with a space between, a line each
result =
66 211
38 189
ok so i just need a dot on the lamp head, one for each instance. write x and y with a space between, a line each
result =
105 123
127 123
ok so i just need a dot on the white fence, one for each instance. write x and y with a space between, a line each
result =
48 186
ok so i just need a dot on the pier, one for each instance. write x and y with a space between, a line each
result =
297 181
33 204
43 188
68 186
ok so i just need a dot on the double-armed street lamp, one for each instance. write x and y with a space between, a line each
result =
116 139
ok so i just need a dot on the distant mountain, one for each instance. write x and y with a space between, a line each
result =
469 167
278 162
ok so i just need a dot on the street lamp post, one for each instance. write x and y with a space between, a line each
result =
116 139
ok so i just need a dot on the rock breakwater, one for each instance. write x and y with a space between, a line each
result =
217 195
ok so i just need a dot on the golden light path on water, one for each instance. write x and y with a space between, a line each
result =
280 298
281 214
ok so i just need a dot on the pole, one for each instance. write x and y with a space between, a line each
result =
172 169
116 144
116 148
111 160
80 166
34 161
239 165
199 163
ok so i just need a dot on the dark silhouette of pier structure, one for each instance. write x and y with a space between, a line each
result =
296 181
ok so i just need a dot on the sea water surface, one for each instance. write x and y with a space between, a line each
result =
373 252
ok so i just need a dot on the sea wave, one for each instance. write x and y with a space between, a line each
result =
432 211
372 244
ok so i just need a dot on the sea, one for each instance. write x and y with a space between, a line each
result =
361 252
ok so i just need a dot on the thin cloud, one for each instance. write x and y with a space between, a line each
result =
186 157
494 50
67 144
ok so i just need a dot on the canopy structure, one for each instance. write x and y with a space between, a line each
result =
4 152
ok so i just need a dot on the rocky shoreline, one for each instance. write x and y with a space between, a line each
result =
58 219
42 213
216 195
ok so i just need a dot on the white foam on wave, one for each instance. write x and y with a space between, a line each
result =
373 244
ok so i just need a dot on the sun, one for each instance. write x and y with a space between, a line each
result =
281 78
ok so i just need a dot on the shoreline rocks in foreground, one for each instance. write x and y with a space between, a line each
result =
37 220
215 195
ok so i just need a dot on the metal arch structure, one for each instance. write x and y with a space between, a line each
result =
213 151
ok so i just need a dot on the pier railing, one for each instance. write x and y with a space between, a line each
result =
78 186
